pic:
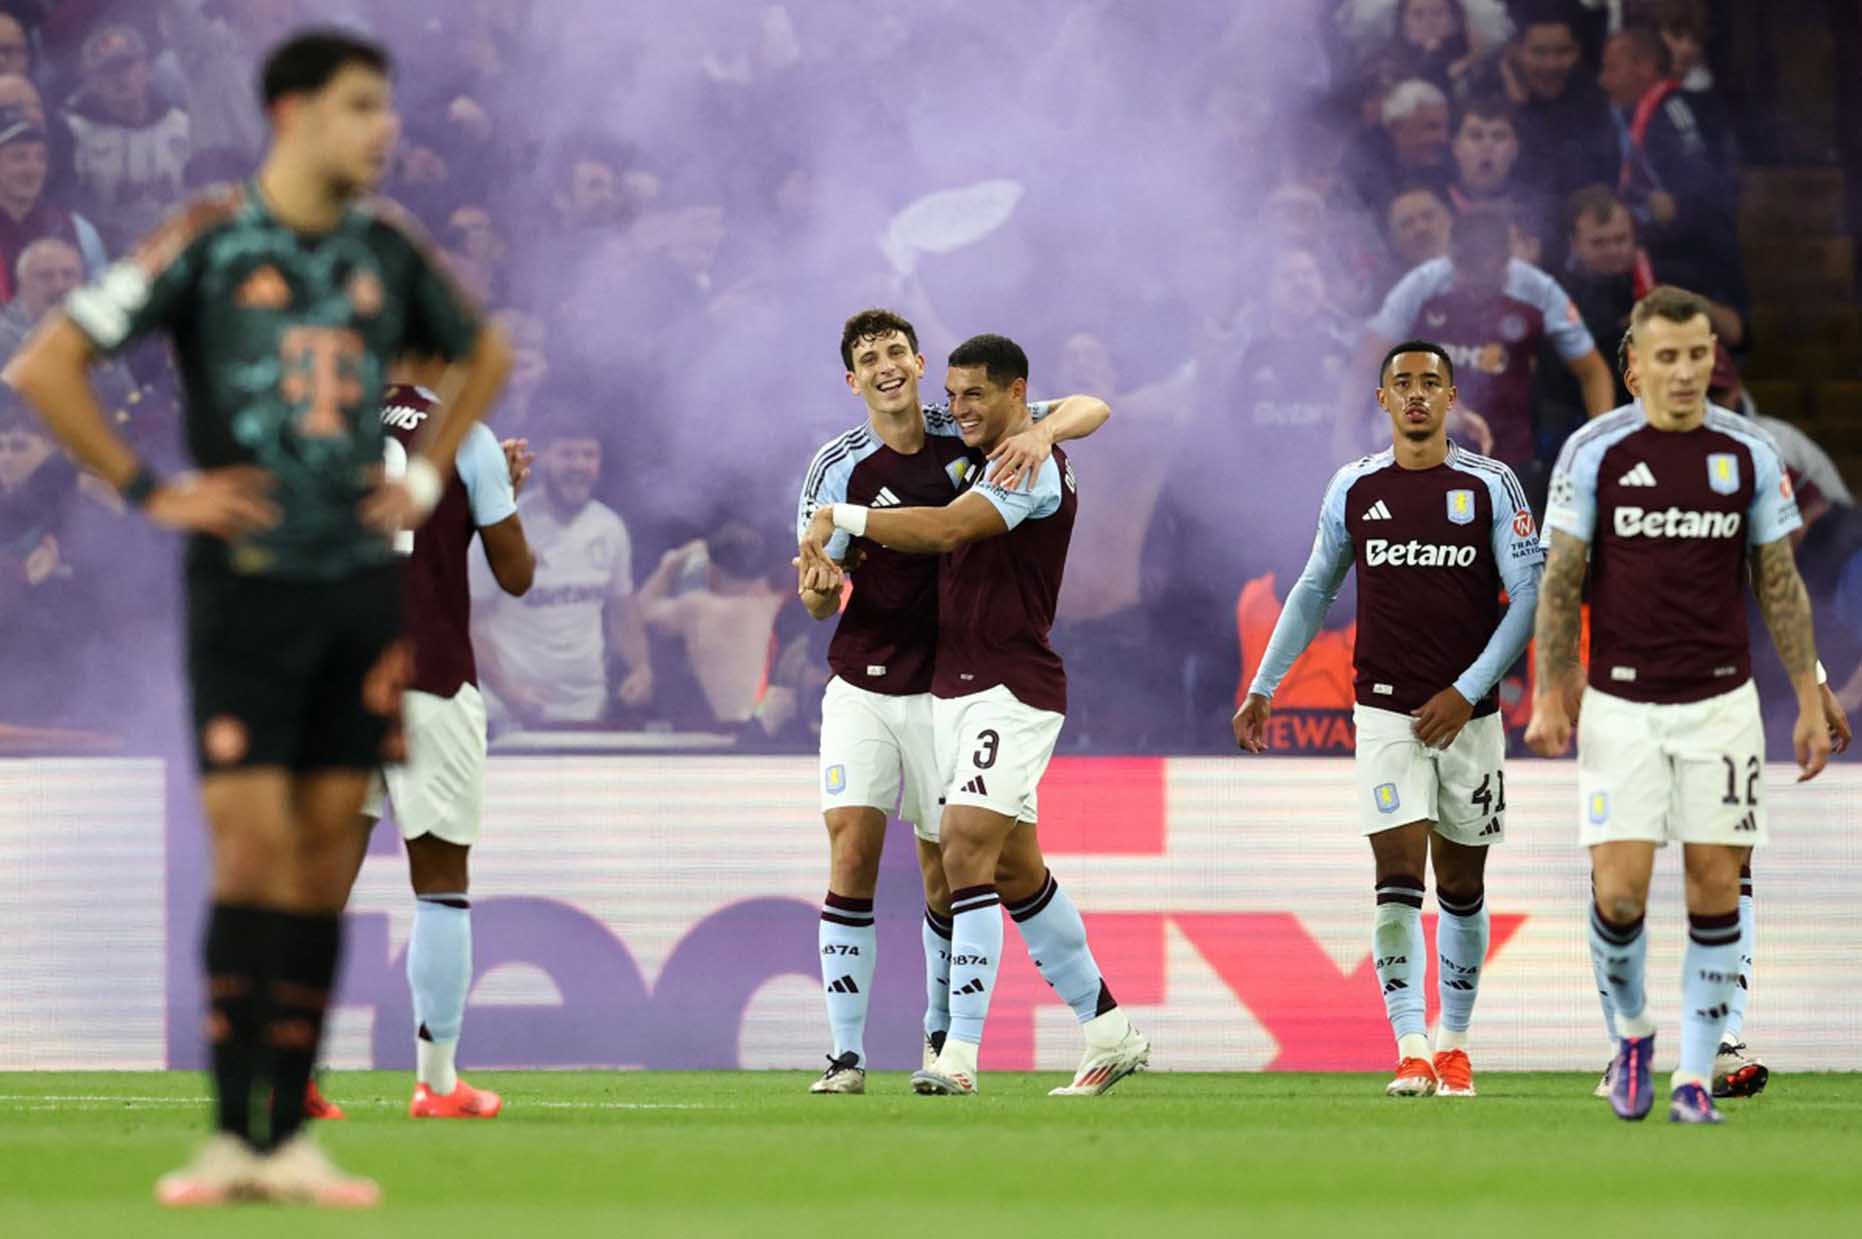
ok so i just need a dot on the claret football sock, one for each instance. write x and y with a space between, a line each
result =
439 972
1056 938
849 949
1402 962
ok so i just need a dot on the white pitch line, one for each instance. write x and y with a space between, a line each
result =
44 1101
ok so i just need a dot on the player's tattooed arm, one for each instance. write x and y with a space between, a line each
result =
1785 604
1560 613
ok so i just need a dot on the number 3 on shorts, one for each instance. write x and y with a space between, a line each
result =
988 742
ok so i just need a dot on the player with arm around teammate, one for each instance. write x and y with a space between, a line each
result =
998 699
1665 503
1435 533
877 746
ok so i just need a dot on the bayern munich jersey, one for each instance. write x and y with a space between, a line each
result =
887 638
434 569
1670 518
1433 549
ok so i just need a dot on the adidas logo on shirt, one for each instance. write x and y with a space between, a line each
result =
1378 512
884 499
975 787
1641 475
844 986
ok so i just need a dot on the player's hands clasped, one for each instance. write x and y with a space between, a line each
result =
228 503
1250 723
814 544
1017 460
1442 717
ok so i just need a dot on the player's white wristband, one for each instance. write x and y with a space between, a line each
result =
850 518
422 480
1823 677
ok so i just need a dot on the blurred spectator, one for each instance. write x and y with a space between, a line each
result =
1817 482
26 214
1669 176
216 45
530 372
1607 272
718 598
1566 136
544 657
1491 311
131 148
48 270
1419 222
46 610
472 233
18 91
15 47
1486 151
1410 144
1432 39
1683 25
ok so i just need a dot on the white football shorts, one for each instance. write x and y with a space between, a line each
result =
992 750
877 751
440 789
1693 772
1461 788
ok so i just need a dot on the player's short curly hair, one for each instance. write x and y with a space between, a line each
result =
870 324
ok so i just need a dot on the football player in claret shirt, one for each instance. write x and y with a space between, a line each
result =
997 700
1666 504
1737 1071
286 299
877 747
1436 533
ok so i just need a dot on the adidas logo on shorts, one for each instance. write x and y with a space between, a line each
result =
975 787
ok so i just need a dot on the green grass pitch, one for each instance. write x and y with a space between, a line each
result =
750 1153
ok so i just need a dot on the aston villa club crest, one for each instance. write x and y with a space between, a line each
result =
1461 507
1387 799
1512 329
1723 473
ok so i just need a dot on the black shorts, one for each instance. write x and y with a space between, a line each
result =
301 674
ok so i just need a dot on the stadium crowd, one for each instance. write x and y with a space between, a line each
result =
674 218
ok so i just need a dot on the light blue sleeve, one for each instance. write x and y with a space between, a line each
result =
940 421
487 477
1396 318
1521 559
1563 324
1041 499
1571 505
1311 595
826 482
1773 513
